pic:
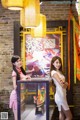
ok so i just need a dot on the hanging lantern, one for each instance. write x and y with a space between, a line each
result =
40 30
4 3
30 14
15 4
12 4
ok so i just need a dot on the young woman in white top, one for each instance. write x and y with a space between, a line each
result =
61 86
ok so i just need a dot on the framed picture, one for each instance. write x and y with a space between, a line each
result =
32 106
37 53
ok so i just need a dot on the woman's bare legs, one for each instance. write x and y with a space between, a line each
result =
61 115
15 114
67 113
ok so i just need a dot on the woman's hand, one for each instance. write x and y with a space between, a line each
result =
64 84
28 77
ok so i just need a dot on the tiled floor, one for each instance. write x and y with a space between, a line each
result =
29 114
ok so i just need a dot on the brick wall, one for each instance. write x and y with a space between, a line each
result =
7 18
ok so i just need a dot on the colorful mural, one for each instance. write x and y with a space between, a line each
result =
39 52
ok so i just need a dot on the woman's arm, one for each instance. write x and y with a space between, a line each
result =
64 84
60 80
28 77
14 82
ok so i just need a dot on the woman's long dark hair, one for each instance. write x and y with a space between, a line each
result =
52 61
18 75
13 60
